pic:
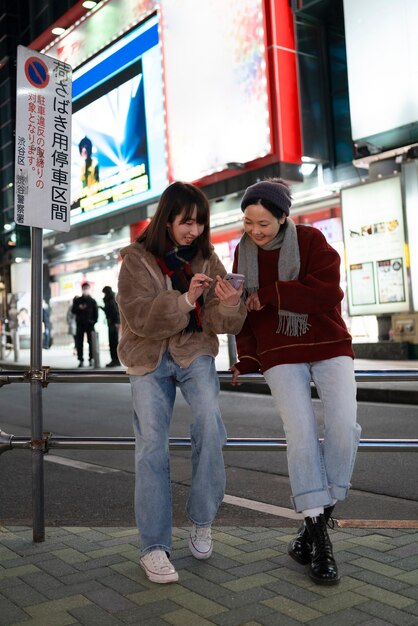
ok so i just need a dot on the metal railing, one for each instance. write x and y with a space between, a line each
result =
42 443
48 441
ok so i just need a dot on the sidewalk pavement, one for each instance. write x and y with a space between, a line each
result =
376 391
91 577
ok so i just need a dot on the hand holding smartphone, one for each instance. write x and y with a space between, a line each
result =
236 280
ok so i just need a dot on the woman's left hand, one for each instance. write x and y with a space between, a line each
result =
253 302
226 292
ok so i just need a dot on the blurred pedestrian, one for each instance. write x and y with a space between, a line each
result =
294 334
46 324
72 325
86 313
173 301
111 310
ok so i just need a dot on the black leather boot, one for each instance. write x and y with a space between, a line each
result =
300 547
323 568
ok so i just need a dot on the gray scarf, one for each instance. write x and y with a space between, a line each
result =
291 324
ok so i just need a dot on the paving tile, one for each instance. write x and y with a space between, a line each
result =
375 555
248 582
226 538
293 609
23 595
409 577
71 556
10 613
140 614
278 619
374 622
120 583
407 563
90 574
57 567
19 571
103 561
198 605
253 568
384 596
6 554
388 614
338 601
156 593
109 600
94 616
55 607
204 587
236 617
41 581
374 566
377 542
183 617
347 617
213 574
72 590
235 600
294 592
391 584
259 555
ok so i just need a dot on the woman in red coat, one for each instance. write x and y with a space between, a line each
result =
294 334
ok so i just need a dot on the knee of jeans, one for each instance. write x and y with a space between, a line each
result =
209 433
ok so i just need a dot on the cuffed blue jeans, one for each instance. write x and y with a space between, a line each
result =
319 472
153 401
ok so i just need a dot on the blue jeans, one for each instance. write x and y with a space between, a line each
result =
319 472
153 400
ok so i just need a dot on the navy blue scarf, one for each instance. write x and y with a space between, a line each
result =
176 265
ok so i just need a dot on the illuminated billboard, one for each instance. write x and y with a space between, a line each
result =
382 78
118 136
215 62
374 238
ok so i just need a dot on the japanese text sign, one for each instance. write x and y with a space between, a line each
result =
43 141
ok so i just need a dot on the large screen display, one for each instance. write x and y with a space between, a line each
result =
215 61
118 142
382 77
374 238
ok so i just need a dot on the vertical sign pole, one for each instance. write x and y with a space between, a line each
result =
36 387
42 200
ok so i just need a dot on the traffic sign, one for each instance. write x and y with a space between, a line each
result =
36 72
43 141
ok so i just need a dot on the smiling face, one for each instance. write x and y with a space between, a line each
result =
183 232
260 224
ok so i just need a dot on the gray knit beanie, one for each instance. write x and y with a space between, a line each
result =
277 193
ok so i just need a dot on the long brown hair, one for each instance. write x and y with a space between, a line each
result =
177 198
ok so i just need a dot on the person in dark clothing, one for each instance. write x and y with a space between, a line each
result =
85 310
46 320
111 310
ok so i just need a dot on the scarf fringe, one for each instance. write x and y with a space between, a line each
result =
292 324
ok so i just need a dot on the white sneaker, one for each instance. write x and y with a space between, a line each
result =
158 567
200 542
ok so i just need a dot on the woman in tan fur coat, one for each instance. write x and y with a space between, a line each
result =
173 302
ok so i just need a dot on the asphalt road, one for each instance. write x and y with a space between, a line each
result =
95 487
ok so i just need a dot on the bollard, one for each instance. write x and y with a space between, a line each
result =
96 350
15 344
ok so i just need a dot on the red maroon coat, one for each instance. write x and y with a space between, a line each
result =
316 292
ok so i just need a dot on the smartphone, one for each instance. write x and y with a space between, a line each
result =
236 280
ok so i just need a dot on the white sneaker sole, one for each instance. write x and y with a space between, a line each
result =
202 556
159 578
